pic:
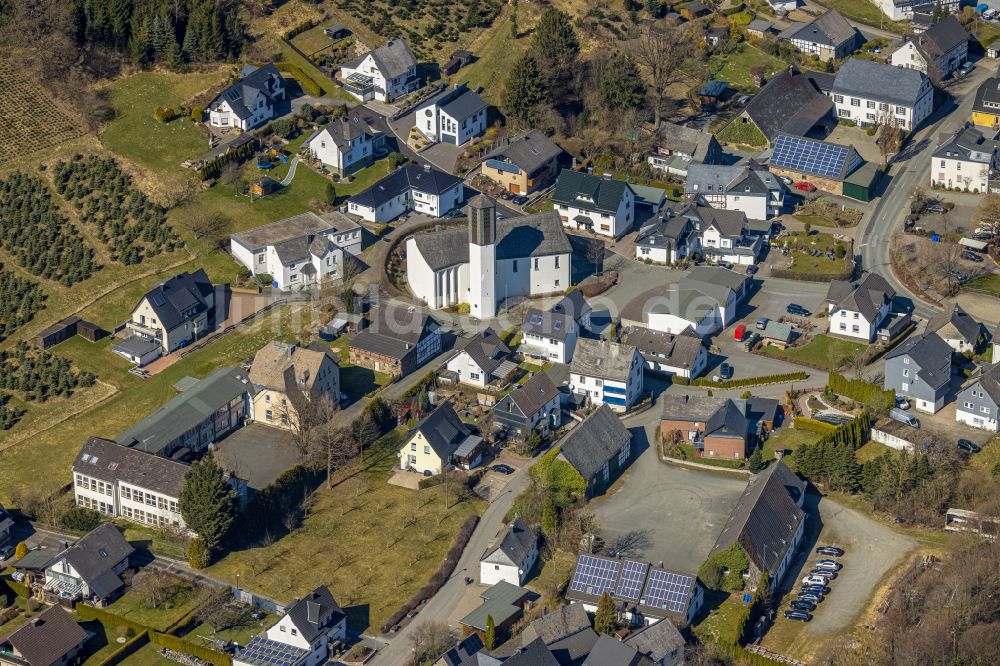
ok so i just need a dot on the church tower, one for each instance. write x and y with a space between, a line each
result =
482 256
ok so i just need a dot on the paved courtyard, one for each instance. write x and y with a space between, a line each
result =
258 453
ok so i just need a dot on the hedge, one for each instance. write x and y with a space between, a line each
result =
870 395
309 86
127 649
735 9
742 382
891 344
812 425
215 165
107 618
187 647
426 382
438 580
300 28
18 589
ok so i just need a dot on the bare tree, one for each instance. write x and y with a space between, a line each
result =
595 255
857 361
364 430
667 56
220 611
336 447
630 544
154 588
890 136
429 641
987 214
208 224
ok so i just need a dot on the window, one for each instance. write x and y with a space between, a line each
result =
557 283
126 492
843 326
900 110
150 499
871 104
838 98
904 386
606 471
427 450
295 632
967 405
515 265
855 328
557 265
986 410
855 101
536 263
856 315
260 258
906 372
906 360
413 446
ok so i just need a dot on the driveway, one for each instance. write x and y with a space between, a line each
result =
443 155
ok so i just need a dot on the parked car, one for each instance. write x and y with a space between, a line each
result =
966 445
751 270
750 342
797 310
503 469
816 588
934 208
902 402
803 605
832 565
740 333
897 414
762 323
813 580
969 255
725 371
811 597
959 275
520 199
829 574
798 615
785 179
805 186
830 550
965 68
6 552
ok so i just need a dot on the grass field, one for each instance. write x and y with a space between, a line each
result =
787 439
816 220
374 543
805 263
822 351
985 284
720 623
183 599
497 52
735 68
866 12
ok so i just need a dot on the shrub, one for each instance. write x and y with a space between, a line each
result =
198 555
197 113
81 519
187 647
464 308
870 395
395 159
724 569
812 425
745 381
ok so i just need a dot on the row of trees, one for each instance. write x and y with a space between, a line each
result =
38 235
833 460
20 299
39 375
128 222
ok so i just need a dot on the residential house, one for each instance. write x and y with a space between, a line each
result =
511 556
483 360
565 631
397 343
432 444
644 594
606 373
299 251
174 313
831 167
91 569
609 650
668 237
53 637
551 335
302 637
203 412
346 145
920 369
599 448
829 36
682 354
749 188
959 330
937 52
523 164
715 427
789 102
660 643
124 482
903 10
965 160
470 651
287 378
767 523
250 102
416 187
897 435
6 525
857 308
504 602
535 406
706 300
599 204
986 107
490 261
873 93
978 402
694 10
723 235
453 115
382 74
675 147
533 654
764 415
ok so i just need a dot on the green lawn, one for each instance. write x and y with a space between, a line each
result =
985 284
866 12
720 623
735 67
182 599
787 438
313 39
375 544
816 220
329 87
804 262
822 351
496 54
204 634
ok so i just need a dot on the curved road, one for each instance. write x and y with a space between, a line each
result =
909 172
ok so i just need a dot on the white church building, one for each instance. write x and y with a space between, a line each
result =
490 262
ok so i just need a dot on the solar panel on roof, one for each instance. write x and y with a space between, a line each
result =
594 575
668 590
630 583
817 157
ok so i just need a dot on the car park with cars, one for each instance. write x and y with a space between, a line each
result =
830 550
803 605
798 615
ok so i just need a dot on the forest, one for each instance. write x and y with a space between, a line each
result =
39 375
20 300
36 233
127 222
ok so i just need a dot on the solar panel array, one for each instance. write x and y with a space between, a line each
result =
668 590
594 575
817 157
630 583
265 652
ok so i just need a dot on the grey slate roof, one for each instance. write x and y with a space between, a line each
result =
528 152
989 380
547 324
865 295
931 354
877 81
968 144
571 649
185 292
136 345
470 651
594 442
679 350
37 559
776 330
829 29
516 540
941 37
759 25
487 350
534 654
588 192
109 461
723 417
965 326
419 177
503 601
656 641
466 104
253 81
393 59
395 332
788 97
315 613
537 235
443 430
988 96
187 410
304 225
685 140
600 358
534 394
610 651
343 131
714 280
561 623
95 556
729 421
47 639
764 521
722 178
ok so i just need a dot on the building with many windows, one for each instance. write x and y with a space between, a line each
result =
937 52
383 74
965 160
599 204
606 373
828 37
978 403
872 93
452 115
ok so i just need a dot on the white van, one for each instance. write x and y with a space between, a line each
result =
897 414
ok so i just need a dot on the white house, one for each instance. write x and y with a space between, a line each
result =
346 145
453 115
749 188
302 637
958 330
706 300
682 354
606 373
383 74
828 37
937 52
536 405
551 335
903 10
300 251
965 160
511 555
675 147
978 403
91 569
482 360
872 93
489 262
416 187
693 227
599 204
250 101
857 309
